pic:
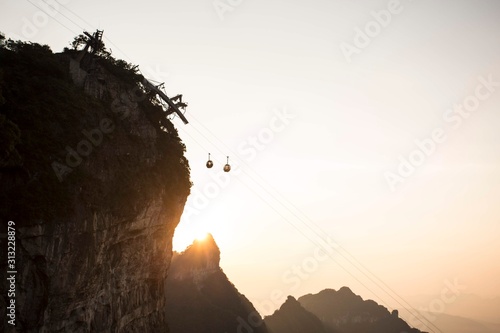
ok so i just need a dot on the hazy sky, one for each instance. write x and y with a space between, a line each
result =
374 123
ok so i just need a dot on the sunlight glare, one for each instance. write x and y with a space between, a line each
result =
201 236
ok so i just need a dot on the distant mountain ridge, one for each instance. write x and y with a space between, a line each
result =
466 305
456 324
339 312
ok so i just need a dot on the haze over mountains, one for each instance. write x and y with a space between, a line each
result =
467 313
455 324
465 305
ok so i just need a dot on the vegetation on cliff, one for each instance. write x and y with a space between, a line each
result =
44 115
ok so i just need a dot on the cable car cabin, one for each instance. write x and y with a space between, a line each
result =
227 167
210 164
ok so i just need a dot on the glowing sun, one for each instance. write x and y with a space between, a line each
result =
201 236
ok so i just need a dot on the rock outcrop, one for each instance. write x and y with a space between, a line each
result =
201 299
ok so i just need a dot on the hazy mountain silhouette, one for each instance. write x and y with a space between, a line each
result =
466 305
457 324
200 297
476 307
344 312
293 318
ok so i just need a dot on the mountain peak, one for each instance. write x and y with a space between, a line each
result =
292 317
206 245
345 291
207 241
290 303
201 298
202 256
203 248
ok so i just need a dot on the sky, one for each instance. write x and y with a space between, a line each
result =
363 136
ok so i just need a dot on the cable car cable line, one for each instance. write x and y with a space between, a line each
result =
316 233
357 265
70 30
307 237
287 208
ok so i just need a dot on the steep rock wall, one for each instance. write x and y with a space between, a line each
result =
102 274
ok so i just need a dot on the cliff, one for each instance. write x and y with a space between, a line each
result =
200 298
94 177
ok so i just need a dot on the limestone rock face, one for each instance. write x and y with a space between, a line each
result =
103 275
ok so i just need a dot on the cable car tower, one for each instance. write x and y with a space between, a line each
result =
172 107
94 42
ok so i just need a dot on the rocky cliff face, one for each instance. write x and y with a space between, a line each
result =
96 273
95 184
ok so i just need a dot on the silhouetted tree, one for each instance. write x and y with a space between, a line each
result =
98 46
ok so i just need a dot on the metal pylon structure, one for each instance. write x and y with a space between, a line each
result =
172 107
94 41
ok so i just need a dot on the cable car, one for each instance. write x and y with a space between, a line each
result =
227 167
210 164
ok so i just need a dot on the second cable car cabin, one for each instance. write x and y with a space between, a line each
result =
227 167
